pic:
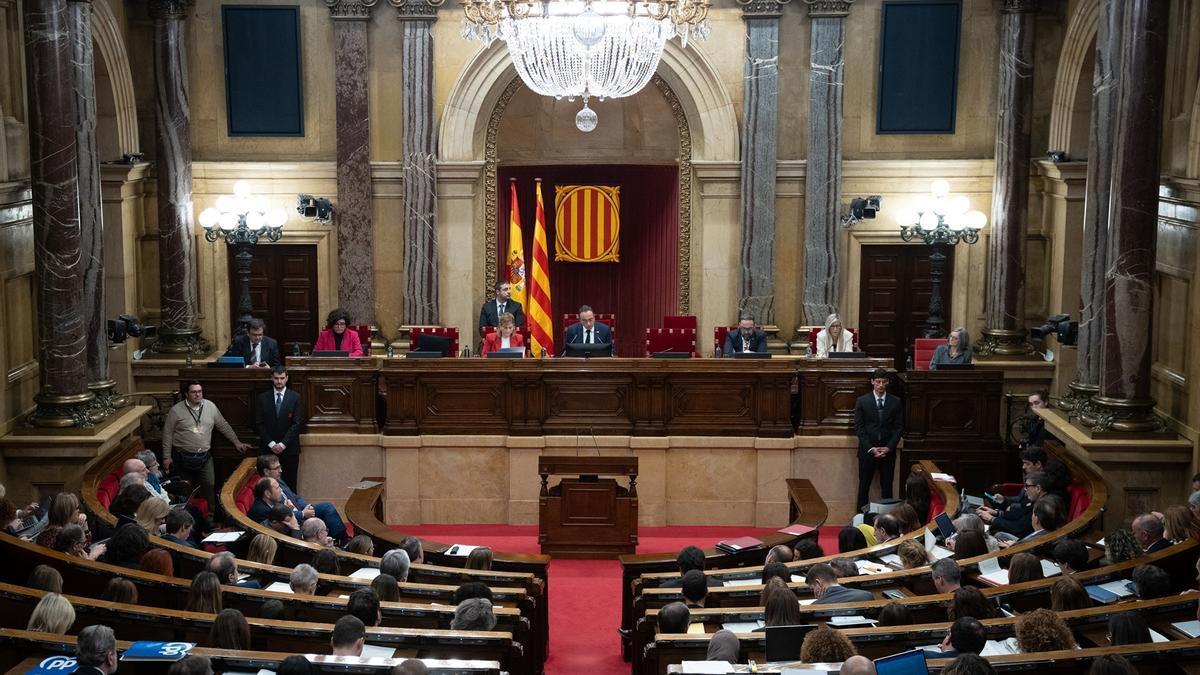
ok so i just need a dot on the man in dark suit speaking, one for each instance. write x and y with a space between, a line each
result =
746 338
259 350
878 423
489 314
588 331
278 418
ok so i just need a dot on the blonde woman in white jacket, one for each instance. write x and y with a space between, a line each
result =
834 337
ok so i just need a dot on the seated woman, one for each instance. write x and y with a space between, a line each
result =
504 337
335 337
956 351
834 337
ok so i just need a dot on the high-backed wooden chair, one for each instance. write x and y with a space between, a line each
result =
364 336
679 322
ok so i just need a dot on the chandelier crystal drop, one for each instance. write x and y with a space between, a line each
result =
585 48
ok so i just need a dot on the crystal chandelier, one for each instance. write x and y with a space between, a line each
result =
585 48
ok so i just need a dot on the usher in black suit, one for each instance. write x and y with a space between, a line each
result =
877 428
283 427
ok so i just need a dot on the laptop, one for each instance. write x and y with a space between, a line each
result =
783 642
911 662
434 343
847 355
228 362
331 353
751 355
945 525
510 353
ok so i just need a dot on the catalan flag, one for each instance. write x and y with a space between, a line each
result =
516 249
541 328
588 223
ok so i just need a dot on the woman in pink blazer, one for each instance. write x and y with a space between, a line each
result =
506 335
336 338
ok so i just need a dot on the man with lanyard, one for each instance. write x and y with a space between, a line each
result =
188 431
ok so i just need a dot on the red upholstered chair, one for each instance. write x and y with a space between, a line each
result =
245 497
609 320
679 322
936 505
923 349
682 340
719 335
364 336
107 490
1080 500
442 331
812 337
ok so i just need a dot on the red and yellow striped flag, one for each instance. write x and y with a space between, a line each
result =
516 249
541 328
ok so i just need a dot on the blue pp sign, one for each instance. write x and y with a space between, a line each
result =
54 665
157 651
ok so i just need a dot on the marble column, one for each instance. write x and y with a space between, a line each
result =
179 331
1004 333
419 163
91 220
355 231
823 177
1124 400
63 399
1105 87
760 117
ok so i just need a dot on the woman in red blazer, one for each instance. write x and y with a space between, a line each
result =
336 338
506 335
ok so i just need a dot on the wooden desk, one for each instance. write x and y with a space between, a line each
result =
952 417
588 517
638 397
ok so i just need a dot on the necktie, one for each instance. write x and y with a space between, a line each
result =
879 402
500 309
278 401
589 337
745 345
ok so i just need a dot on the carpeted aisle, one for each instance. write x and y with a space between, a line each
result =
585 595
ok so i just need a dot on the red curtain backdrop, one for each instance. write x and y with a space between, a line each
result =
641 288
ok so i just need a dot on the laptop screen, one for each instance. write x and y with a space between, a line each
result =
905 663
783 642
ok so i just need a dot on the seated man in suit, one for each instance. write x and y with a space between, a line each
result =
588 331
1048 514
179 525
746 338
278 420
257 349
224 565
823 582
489 314
1014 518
268 467
1148 531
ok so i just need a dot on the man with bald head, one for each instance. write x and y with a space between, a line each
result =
1148 530
136 467
858 665
314 531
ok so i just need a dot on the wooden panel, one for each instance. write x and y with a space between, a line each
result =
20 307
894 299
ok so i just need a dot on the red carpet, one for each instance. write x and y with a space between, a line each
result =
585 595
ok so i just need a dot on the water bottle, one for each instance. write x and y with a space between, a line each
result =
807 350
391 351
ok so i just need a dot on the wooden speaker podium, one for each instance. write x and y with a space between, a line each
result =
588 514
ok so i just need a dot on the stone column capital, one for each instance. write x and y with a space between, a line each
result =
1019 6
762 9
350 10
417 10
82 2
169 9
828 8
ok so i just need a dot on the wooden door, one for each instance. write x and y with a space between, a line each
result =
895 286
283 292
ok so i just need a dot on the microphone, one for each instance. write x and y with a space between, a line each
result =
595 446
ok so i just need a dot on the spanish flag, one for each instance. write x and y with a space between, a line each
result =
541 328
516 249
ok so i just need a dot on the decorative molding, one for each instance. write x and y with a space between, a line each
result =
416 10
683 271
111 46
762 9
1020 6
350 10
169 9
1078 45
490 208
828 8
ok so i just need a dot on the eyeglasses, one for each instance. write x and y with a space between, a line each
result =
1029 485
